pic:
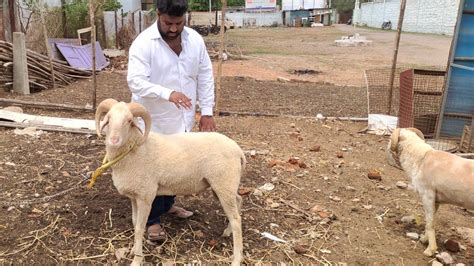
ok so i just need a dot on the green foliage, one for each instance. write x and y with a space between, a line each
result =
77 15
111 5
203 5
343 5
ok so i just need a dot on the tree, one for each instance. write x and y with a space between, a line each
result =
343 5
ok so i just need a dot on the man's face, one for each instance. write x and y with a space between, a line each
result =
170 27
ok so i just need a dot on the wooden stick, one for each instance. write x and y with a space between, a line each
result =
220 58
47 127
93 40
48 48
395 54
44 104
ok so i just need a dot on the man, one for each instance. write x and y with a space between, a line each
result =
169 69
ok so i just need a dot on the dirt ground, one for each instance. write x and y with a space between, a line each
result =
323 204
275 52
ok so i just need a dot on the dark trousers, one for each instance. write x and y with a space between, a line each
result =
161 205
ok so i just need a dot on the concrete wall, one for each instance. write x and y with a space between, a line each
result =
425 16
241 19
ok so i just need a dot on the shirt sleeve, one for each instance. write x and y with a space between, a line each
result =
205 86
139 72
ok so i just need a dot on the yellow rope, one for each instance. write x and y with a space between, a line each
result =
106 165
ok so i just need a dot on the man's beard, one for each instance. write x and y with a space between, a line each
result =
168 35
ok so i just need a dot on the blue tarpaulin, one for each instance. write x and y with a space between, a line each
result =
80 56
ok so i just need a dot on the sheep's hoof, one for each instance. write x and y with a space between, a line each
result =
227 232
137 261
424 239
429 252
132 251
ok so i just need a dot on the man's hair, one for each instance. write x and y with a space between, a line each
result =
175 8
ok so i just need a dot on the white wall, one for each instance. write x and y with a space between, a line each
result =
302 4
425 16
255 19
130 5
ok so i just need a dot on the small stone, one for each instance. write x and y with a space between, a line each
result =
349 188
315 148
413 236
408 219
292 125
300 248
244 191
339 155
212 242
436 263
445 258
338 171
294 160
258 193
274 205
374 175
335 198
368 207
402 185
356 200
452 245
199 234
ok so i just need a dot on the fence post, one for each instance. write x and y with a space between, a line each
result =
116 30
20 65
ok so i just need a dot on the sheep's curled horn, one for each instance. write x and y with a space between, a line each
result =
136 109
396 134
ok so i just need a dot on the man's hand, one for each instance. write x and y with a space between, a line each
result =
206 123
180 100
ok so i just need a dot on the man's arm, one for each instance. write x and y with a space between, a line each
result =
205 91
139 71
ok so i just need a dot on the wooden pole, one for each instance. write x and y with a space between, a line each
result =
116 29
93 41
48 47
395 54
220 58
139 21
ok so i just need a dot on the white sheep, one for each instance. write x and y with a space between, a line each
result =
179 164
439 177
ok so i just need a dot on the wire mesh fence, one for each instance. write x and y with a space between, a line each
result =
416 101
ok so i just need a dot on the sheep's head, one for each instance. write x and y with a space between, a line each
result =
395 138
119 117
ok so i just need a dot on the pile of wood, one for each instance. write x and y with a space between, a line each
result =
39 72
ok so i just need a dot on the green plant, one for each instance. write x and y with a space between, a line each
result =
111 5
77 15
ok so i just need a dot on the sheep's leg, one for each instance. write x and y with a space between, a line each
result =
143 209
134 212
230 204
228 230
429 204
424 237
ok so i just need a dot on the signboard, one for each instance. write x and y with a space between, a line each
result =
260 4
288 5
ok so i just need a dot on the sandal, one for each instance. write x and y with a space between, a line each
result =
155 233
180 212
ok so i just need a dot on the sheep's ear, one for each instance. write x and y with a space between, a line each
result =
418 132
103 123
394 139
139 110
102 109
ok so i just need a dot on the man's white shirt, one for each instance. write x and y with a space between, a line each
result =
155 70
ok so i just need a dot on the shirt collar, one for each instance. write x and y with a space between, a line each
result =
155 33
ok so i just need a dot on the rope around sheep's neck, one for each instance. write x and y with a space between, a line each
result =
106 164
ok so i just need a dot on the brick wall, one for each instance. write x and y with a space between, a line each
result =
425 16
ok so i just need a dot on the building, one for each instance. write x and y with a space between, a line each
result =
304 12
424 16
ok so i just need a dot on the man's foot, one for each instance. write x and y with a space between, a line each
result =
180 212
155 233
